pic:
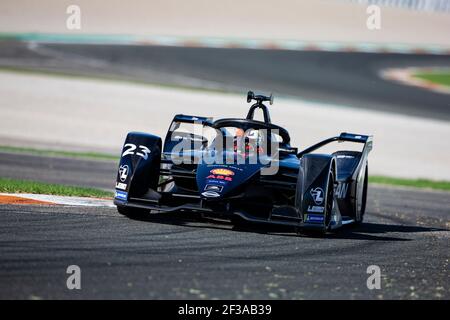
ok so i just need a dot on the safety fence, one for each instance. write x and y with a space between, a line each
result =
442 6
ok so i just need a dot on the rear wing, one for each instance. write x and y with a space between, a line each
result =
344 136
352 137
192 119
347 137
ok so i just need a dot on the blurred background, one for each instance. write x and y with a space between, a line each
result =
78 75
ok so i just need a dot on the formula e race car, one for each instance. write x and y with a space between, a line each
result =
243 170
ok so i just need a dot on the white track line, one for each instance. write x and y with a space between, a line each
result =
237 43
63 200
406 76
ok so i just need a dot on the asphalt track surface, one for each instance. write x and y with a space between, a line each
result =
171 256
176 256
348 78
60 170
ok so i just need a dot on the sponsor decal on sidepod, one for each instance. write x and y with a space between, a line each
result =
316 209
122 195
124 171
317 195
120 185
314 218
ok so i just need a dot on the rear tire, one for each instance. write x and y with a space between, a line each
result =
361 199
330 202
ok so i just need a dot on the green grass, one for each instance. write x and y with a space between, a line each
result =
439 77
416 183
58 153
26 186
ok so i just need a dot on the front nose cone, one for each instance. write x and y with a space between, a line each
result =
217 181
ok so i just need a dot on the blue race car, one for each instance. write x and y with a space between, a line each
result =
243 170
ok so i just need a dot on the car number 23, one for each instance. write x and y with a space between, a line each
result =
141 151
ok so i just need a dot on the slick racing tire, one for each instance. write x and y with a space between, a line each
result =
330 202
361 199
131 212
